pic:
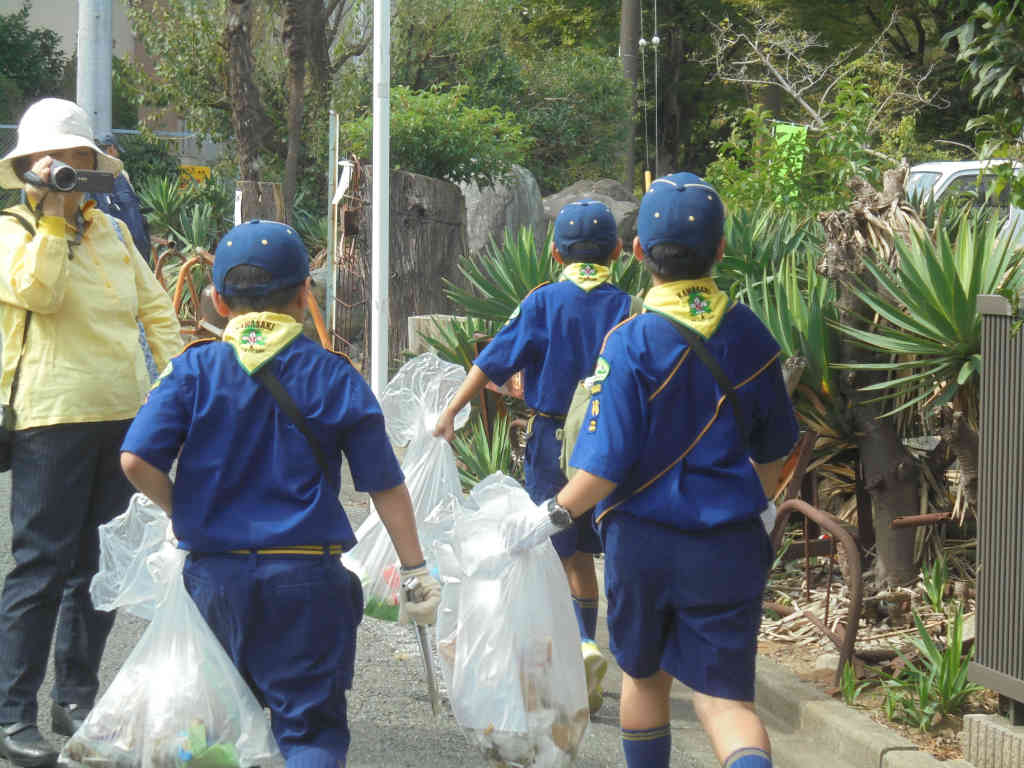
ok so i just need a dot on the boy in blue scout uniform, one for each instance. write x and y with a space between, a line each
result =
678 488
554 337
261 520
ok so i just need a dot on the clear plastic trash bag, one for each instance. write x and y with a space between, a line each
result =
178 701
412 402
123 580
513 662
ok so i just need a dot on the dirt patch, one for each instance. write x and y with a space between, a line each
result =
886 629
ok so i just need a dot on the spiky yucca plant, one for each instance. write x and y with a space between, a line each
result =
479 456
927 314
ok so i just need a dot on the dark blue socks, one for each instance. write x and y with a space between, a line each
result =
650 748
748 757
586 616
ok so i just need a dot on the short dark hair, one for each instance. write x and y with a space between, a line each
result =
672 261
246 277
590 252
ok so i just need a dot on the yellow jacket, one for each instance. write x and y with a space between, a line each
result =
82 359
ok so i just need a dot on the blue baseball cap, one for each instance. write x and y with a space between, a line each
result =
584 221
270 245
680 208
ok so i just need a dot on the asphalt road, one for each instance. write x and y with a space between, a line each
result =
389 712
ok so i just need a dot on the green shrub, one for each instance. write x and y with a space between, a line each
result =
924 692
436 133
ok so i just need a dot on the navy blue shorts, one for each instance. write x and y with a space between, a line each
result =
544 479
686 602
289 623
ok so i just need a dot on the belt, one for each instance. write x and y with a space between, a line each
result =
314 550
552 416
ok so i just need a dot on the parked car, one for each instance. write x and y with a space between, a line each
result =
968 179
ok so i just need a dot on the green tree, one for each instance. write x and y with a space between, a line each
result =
435 133
32 63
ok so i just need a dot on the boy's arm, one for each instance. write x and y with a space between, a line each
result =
475 381
147 479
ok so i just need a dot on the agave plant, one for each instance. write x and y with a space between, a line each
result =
630 275
757 242
503 276
165 201
479 455
927 306
798 306
456 341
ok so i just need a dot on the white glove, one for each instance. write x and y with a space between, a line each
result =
525 531
418 597
768 517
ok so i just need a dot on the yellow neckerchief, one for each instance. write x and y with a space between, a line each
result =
258 336
698 304
587 276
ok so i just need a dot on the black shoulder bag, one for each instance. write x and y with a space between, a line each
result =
7 416
697 345
273 385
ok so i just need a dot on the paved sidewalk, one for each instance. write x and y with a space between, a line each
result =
392 726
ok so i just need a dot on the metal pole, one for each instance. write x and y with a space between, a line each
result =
381 196
332 222
95 62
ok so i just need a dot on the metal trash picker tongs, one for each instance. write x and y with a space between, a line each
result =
409 586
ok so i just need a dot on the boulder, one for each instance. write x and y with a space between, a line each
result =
612 193
507 205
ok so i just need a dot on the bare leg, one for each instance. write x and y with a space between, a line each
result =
582 575
729 724
645 701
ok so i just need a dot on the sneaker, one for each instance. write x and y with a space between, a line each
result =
595 665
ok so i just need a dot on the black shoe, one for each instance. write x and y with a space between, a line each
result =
68 718
22 744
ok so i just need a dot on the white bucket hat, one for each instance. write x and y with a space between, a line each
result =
48 125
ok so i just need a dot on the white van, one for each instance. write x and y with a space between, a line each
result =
943 180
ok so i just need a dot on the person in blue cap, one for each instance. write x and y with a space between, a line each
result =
123 203
554 337
255 494
680 472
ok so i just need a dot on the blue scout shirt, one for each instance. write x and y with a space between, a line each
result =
246 476
659 427
554 337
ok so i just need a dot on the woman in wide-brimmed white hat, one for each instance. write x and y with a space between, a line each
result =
73 291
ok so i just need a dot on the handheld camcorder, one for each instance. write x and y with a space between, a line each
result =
64 178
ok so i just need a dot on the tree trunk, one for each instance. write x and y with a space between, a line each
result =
890 473
296 25
247 115
629 35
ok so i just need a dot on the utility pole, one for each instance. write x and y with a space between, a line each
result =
629 36
381 197
95 62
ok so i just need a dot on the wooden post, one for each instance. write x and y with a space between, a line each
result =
261 200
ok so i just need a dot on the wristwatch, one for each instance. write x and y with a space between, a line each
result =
559 516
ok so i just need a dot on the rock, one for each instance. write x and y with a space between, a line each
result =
623 205
509 205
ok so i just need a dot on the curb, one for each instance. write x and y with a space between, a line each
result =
794 708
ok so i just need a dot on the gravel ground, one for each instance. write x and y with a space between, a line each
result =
389 711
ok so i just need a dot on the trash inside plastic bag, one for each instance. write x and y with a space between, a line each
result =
123 580
512 659
178 701
412 402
